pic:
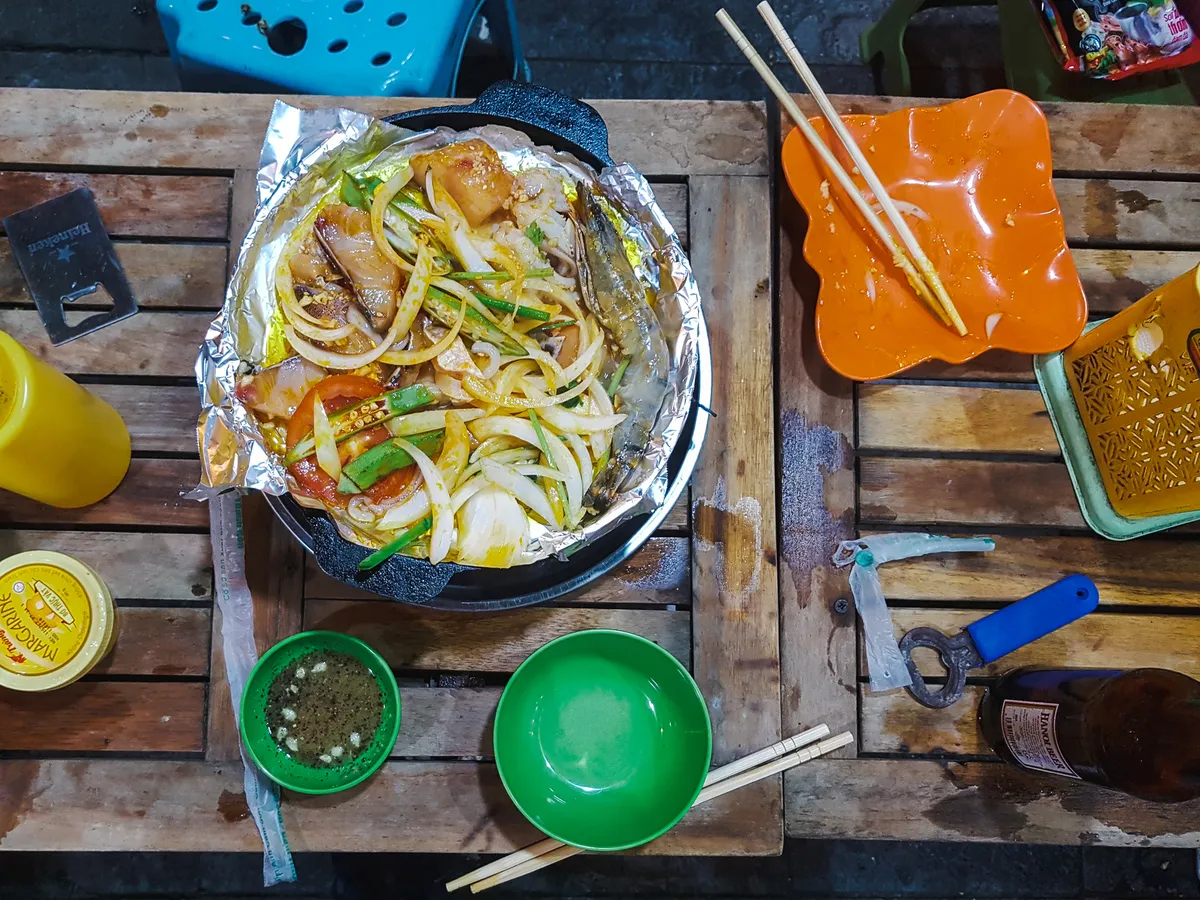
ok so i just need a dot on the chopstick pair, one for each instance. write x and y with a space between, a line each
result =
922 276
762 764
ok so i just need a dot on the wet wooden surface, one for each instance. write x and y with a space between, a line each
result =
969 449
142 754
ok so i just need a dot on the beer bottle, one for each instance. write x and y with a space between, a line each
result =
1135 731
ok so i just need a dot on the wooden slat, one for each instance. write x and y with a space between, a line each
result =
150 343
1112 279
446 721
817 500
1084 137
134 566
1144 572
181 130
937 418
424 639
735 582
160 419
1162 213
155 641
981 801
275 576
673 198
106 716
448 807
175 206
161 275
892 722
966 492
148 497
995 365
659 574
1097 641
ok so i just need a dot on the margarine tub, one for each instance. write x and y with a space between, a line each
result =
57 620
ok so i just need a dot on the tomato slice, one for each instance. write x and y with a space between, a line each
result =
336 393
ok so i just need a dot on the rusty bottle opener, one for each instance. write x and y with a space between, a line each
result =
996 635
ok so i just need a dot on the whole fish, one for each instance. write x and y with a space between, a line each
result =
614 293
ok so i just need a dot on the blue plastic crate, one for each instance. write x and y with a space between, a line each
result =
346 47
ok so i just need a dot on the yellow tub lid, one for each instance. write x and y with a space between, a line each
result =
56 620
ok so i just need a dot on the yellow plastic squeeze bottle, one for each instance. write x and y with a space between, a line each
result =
59 444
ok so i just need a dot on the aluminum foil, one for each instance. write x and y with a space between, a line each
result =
302 159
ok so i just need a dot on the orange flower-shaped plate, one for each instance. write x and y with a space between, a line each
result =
973 180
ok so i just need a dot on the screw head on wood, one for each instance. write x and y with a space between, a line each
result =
841 606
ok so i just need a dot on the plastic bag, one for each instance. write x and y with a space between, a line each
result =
1113 39
885 664
241 653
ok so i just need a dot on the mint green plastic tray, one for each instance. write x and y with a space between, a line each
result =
1097 511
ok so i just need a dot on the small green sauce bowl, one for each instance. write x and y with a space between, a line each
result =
275 761
602 740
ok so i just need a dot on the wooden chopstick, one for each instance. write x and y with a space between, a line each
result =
839 127
729 770
787 745
835 168
712 791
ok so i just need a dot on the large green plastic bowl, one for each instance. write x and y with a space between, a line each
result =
273 760
602 740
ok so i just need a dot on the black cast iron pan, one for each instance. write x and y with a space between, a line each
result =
566 124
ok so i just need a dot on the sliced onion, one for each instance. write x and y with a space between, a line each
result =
492 352
420 422
577 368
494 445
575 442
493 529
537 471
411 511
992 321
467 490
600 441
379 203
568 421
439 500
456 448
328 457
317 332
416 357
456 225
484 392
520 487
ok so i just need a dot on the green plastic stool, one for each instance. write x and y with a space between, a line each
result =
1029 63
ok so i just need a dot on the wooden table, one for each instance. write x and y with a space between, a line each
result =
969 450
140 755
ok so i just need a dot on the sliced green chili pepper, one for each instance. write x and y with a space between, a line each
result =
364 415
411 196
615 382
444 308
574 401
504 306
541 436
387 552
384 459
498 276
352 194
557 323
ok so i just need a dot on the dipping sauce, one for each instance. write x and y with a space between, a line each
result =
323 710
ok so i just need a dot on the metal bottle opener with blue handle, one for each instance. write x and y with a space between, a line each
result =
995 636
